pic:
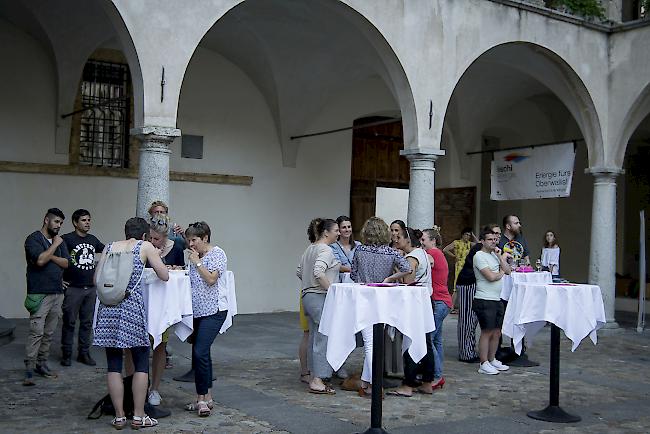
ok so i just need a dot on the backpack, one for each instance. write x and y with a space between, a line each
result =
105 405
113 276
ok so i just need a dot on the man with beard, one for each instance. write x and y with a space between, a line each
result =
80 288
512 238
47 257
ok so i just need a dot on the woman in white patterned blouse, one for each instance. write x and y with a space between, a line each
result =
210 306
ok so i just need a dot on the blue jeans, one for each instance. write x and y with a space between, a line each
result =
206 329
440 312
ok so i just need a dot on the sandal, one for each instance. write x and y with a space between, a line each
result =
327 391
399 393
305 378
119 422
193 406
202 409
143 422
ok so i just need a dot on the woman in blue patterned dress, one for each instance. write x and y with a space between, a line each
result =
124 326
208 266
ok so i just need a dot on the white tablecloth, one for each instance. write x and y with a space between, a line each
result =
577 309
351 307
168 304
173 303
509 280
232 301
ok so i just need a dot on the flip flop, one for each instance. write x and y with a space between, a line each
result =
422 391
327 391
305 378
398 393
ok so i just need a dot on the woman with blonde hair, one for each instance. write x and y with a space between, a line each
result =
171 254
375 262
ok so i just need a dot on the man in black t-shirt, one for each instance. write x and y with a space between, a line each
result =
47 257
80 291
513 239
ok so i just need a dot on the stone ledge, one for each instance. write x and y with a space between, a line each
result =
59 169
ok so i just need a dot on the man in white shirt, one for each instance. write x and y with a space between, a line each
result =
490 265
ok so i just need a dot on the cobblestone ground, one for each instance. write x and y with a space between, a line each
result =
258 389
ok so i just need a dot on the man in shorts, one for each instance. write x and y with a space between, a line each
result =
490 265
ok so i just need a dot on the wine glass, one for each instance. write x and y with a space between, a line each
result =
538 265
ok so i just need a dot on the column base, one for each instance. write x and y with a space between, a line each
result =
611 325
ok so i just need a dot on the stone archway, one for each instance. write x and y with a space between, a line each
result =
298 54
498 103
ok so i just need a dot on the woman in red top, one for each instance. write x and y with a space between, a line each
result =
440 299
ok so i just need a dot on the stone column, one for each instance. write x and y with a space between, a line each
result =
153 169
422 185
602 251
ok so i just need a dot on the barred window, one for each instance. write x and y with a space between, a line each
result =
103 133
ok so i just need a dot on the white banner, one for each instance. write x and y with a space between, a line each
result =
533 173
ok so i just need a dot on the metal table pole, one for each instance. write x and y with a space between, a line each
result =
377 380
554 413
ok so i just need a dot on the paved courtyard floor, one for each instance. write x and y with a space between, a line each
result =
258 390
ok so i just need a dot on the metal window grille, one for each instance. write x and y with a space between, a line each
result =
105 100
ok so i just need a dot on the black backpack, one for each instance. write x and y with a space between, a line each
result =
105 405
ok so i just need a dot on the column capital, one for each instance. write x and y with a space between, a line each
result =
601 172
151 130
155 139
429 154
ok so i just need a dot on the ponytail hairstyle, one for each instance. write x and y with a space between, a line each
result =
312 234
413 235
325 225
434 234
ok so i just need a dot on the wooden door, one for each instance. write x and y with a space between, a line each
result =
376 162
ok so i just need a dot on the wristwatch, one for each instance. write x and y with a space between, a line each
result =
198 265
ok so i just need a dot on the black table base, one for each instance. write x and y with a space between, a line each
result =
377 380
554 413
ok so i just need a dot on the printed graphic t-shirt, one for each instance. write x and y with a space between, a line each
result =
82 250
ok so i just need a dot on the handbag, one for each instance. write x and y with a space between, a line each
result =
33 302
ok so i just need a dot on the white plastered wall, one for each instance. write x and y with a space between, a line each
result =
261 227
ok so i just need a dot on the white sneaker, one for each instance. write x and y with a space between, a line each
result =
487 368
500 366
154 397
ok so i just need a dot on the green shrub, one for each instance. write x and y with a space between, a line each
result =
586 8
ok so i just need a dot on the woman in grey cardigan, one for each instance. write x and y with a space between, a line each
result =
318 269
